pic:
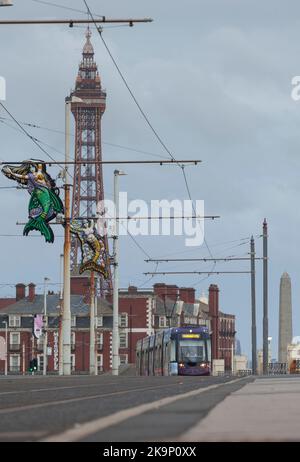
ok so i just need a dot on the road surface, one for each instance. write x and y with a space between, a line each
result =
106 408
149 409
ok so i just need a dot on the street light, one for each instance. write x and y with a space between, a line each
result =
45 325
6 3
66 318
115 336
6 349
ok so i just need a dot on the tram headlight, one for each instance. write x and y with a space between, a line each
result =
181 365
203 365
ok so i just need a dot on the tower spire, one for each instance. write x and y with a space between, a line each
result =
88 75
88 47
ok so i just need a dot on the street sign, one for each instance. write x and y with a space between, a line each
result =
38 325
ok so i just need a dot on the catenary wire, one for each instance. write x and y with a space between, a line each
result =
146 118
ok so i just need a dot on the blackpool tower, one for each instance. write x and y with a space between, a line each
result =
88 109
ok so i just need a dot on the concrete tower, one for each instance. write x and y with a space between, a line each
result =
285 317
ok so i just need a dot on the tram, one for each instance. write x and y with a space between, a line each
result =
175 351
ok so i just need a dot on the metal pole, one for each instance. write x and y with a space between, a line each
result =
6 348
265 297
66 319
232 357
115 336
45 325
60 337
92 324
107 162
95 328
253 307
23 358
103 20
195 272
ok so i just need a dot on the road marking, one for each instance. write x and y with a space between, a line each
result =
21 435
31 390
54 388
89 428
11 410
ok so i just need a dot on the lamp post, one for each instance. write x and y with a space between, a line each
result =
115 336
60 338
45 325
6 3
95 329
6 348
92 325
66 316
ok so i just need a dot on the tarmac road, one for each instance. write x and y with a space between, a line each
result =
106 408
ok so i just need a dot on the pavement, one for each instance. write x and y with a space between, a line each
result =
149 409
266 410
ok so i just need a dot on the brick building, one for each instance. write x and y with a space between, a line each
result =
223 324
141 312
23 346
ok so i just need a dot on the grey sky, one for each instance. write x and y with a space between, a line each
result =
215 79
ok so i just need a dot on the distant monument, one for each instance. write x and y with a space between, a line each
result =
238 348
285 317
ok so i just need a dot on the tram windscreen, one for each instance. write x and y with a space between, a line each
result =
191 351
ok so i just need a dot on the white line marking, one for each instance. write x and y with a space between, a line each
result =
21 435
10 410
31 390
82 431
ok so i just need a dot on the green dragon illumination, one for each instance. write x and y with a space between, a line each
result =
45 202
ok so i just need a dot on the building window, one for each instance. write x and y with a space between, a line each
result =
100 363
123 320
72 363
123 340
123 359
162 321
73 339
40 359
100 340
14 363
40 343
14 321
99 321
73 321
14 338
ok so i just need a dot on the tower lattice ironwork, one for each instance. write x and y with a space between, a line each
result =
88 106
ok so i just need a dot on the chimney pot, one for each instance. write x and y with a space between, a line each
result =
31 294
20 291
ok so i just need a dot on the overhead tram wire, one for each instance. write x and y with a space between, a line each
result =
26 132
99 30
59 6
43 150
39 141
156 134
114 145
217 244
